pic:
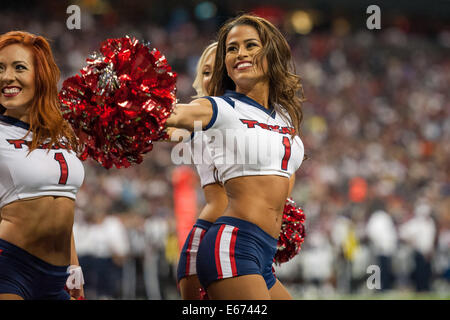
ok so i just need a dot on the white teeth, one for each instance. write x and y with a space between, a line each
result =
244 65
11 90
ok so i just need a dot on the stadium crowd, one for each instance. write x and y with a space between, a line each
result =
375 187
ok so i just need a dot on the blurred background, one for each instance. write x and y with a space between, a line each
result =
376 186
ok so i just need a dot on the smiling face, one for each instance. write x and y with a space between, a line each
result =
17 86
242 47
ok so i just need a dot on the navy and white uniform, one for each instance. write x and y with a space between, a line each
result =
57 172
43 172
245 139
187 265
201 157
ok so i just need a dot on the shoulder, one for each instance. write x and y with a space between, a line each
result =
3 126
283 115
203 105
203 101
8 131
213 101
282 111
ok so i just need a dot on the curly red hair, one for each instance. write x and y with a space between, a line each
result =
46 120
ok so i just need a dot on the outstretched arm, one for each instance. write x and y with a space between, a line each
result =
185 116
176 135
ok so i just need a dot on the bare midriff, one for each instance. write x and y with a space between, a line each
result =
259 200
216 202
41 226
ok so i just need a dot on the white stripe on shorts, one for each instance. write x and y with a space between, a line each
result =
193 251
224 251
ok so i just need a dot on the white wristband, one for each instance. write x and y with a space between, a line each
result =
75 279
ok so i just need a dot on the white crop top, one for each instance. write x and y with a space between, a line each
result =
201 157
246 139
56 172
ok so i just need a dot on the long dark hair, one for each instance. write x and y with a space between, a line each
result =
284 84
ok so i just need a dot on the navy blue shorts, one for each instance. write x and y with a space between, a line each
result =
28 276
234 247
188 256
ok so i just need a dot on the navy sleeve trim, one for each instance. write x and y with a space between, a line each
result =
214 116
228 100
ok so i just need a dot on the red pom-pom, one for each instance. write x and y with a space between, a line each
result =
292 232
120 101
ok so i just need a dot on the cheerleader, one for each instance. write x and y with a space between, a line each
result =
40 175
254 90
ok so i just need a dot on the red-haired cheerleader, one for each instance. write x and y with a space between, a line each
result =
40 175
